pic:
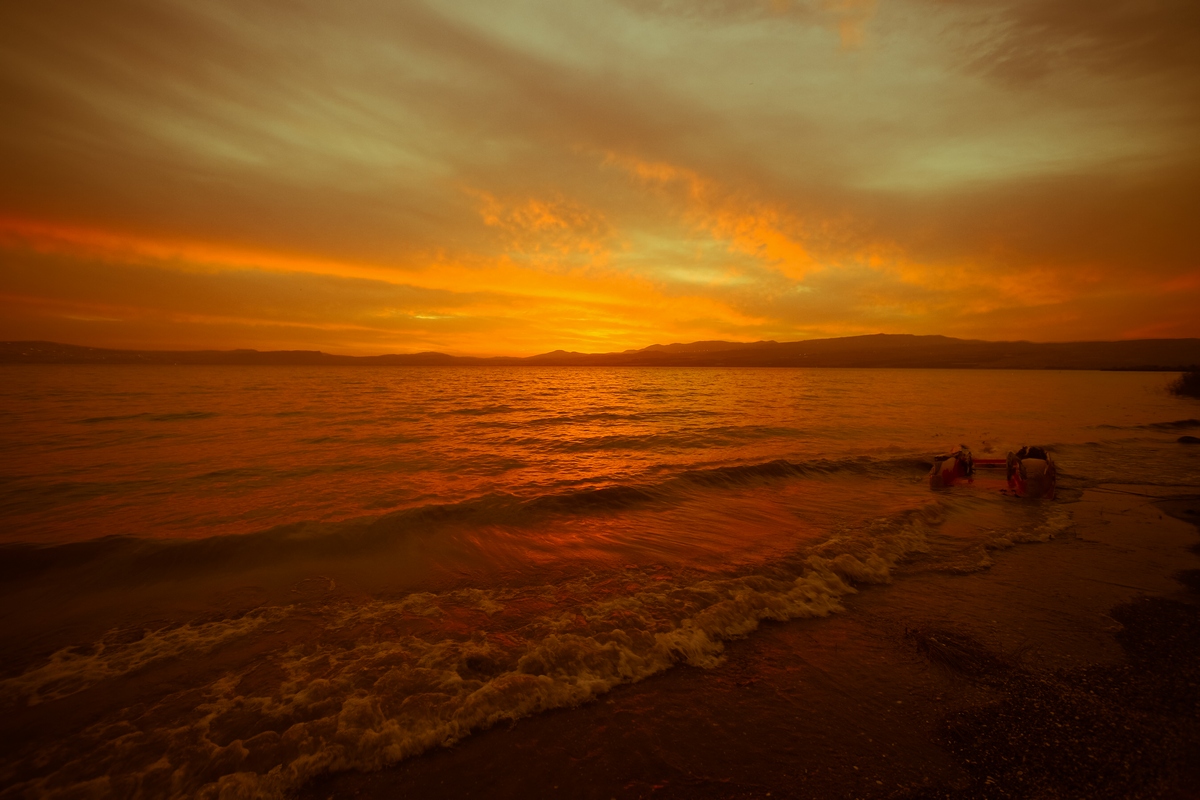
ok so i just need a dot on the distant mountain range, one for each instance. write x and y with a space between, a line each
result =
880 350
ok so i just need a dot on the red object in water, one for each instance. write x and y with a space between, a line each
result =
1032 473
1031 470
951 468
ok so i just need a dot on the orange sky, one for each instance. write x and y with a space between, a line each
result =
515 177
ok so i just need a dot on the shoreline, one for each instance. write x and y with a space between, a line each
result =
1065 669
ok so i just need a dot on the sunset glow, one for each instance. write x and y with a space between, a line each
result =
641 399
480 178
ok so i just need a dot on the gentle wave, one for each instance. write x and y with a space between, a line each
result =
136 559
180 416
1179 424
698 439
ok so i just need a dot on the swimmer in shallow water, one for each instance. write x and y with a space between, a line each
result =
950 468
1031 472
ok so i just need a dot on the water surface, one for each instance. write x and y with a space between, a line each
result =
238 578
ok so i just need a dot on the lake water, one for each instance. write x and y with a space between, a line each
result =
224 581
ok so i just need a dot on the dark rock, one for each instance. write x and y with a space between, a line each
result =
1189 440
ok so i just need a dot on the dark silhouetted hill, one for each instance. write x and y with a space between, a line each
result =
880 350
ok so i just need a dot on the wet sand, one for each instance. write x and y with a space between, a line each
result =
1070 668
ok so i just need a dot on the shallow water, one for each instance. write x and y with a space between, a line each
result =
235 579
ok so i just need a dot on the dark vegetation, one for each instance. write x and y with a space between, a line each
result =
1187 384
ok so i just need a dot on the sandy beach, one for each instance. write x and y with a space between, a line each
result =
1066 668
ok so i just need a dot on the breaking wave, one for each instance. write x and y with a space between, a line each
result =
370 684
371 565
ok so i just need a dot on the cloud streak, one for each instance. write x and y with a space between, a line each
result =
486 178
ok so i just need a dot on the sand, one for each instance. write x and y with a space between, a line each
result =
1069 668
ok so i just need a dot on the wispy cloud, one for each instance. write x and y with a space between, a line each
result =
484 177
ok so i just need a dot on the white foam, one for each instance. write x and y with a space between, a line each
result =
1057 522
69 670
356 696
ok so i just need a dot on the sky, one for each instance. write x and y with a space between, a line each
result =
517 176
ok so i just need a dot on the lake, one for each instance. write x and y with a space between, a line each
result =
235 579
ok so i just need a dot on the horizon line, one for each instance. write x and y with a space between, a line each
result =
560 351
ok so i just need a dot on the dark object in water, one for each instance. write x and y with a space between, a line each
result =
1189 440
1187 384
957 652
1032 473
1189 578
951 468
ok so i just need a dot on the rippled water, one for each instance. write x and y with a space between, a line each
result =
220 578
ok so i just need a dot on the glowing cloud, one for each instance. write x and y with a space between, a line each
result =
374 177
